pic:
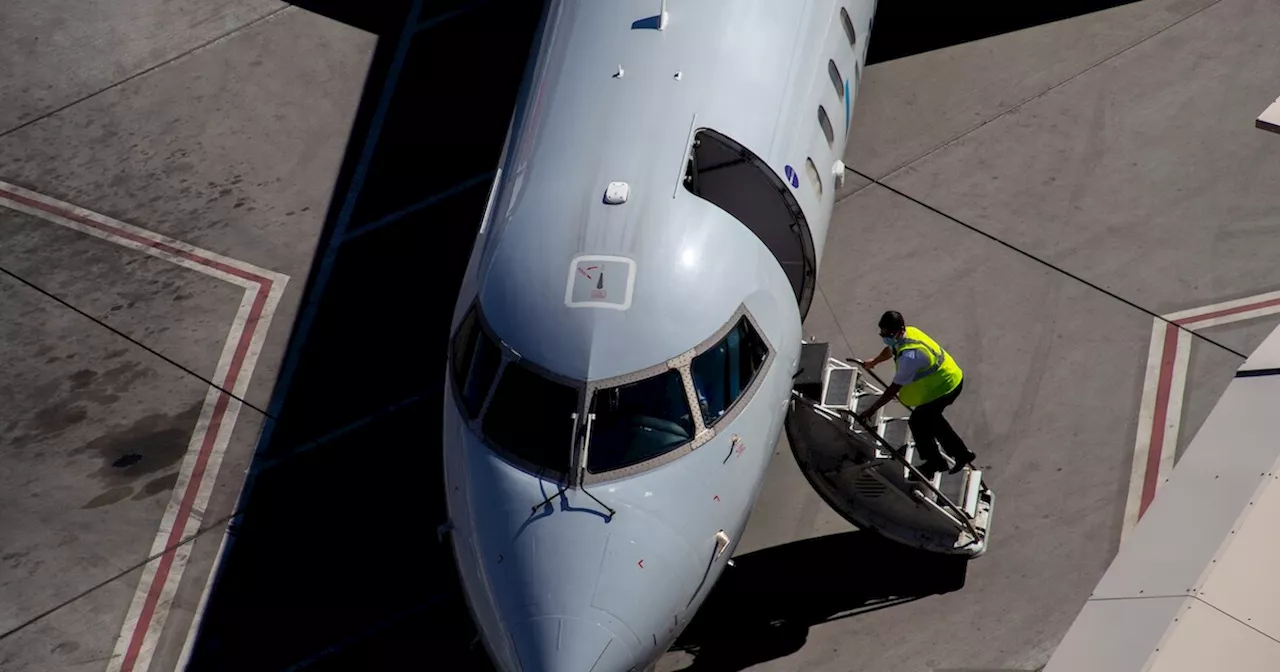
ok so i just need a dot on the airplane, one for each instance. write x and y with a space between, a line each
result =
624 345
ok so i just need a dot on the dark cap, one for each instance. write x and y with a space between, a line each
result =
892 321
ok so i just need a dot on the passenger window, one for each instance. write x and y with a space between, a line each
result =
848 27
532 417
638 421
475 362
814 178
836 80
723 373
825 122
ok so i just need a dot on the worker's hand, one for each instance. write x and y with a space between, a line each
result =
869 364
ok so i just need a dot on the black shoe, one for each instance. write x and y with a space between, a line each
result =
963 462
930 469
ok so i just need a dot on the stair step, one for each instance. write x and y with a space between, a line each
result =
973 489
896 432
953 486
863 402
838 391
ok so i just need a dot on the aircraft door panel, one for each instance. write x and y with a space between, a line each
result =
742 184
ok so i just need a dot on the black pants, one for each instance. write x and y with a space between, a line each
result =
929 429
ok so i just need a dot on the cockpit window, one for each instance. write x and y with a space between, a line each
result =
532 417
475 362
638 421
721 374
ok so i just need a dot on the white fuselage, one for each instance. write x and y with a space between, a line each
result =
704 344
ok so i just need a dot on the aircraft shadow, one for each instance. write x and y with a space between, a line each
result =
335 563
908 28
763 607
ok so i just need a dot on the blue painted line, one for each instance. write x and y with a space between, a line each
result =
848 107
426 202
339 230
293 354
441 18
338 433
1258 373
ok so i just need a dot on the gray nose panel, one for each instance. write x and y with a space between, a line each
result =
566 644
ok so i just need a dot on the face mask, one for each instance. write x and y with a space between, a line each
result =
889 340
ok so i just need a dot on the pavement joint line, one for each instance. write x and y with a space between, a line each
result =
1048 264
107 581
1015 107
1159 416
44 292
145 71
153 596
9 200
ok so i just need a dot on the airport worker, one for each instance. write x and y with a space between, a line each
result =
927 380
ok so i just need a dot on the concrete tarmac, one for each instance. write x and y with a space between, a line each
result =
164 173
1112 156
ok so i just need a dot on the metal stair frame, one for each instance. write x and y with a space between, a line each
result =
961 517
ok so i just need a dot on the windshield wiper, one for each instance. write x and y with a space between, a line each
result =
577 476
573 440
582 473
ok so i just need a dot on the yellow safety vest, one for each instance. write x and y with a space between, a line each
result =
941 376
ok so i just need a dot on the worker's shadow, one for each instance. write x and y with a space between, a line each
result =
763 607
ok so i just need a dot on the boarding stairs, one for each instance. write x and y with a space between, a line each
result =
869 473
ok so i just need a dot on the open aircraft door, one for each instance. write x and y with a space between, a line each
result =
868 473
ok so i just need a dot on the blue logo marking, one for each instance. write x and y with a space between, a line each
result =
793 177
848 106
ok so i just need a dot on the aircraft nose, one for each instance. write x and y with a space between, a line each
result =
556 583
566 644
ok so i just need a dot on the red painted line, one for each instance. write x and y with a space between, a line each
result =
193 484
1228 311
133 237
1155 448
1169 355
219 410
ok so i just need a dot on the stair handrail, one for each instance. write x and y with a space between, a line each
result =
960 514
